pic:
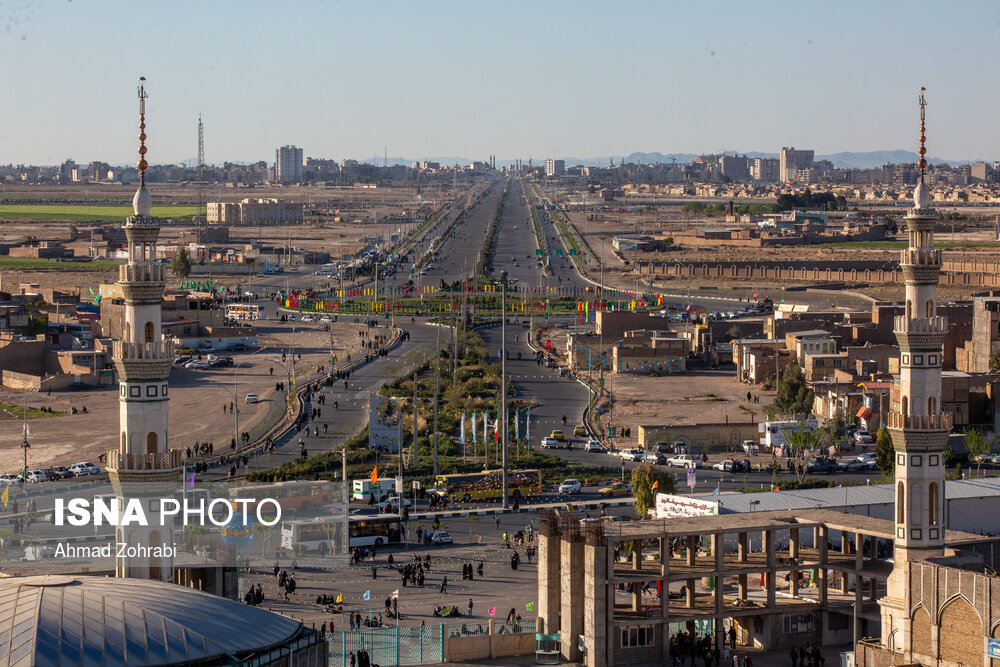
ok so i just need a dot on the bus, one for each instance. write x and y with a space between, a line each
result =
487 484
293 497
325 534
244 311
362 488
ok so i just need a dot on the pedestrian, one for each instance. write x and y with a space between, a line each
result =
469 613
354 660
444 585
747 662
732 637
794 655
352 630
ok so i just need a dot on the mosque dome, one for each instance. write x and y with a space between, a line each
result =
142 202
921 196
55 620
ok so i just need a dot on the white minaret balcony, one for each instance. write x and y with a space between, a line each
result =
118 460
938 422
919 325
142 273
143 351
921 257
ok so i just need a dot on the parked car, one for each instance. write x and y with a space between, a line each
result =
683 461
557 434
197 364
37 476
631 455
570 485
81 469
220 362
181 360
655 458
854 465
580 431
593 446
251 398
867 457
548 442
58 472
725 465
615 489
863 437
821 464
441 537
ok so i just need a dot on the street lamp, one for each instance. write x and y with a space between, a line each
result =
24 430
753 504
503 378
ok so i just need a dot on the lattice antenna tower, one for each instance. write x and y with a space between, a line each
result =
201 172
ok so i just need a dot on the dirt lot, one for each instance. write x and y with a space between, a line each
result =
197 398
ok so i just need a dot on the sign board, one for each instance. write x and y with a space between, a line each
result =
673 507
399 484
692 478
993 648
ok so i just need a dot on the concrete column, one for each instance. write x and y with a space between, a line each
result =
549 598
843 542
636 595
741 547
742 587
636 554
843 582
596 589
769 575
859 552
793 543
692 549
664 557
822 583
793 556
571 573
873 589
689 593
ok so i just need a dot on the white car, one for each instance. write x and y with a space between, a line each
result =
549 442
252 398
197 364
863 437
308 318
867 457
37 476
81 469
326 320
683 461
631 455
570 486
393 502
593 446
440 537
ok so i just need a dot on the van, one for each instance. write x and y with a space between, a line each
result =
251 398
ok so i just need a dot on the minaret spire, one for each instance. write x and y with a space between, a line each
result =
923 136
142 131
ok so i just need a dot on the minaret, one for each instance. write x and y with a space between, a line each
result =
143 467
918 428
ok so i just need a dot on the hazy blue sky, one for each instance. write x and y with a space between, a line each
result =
469 78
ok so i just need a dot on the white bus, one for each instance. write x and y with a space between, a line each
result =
244 311
324 535
362 488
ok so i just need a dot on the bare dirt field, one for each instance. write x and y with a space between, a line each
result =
197 398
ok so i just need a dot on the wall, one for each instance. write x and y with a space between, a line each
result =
711 436
463 649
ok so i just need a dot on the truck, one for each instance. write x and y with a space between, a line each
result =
775 434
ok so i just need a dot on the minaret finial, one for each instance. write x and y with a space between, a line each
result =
923 138
142 131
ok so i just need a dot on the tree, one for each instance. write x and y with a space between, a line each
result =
802 440
995 362
836 427
885 453
181 263
794 395
732 332
977 445
644 476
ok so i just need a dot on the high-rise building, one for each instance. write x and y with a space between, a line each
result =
143 467
791 161
554 167
764 169
734 167
288 164
916 423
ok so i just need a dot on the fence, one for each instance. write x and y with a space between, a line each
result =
389 646
492 627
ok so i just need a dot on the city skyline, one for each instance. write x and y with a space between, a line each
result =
419 81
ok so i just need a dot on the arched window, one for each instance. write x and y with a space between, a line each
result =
931 406
900 502
906 406
149 332
930 309
151 442
932 504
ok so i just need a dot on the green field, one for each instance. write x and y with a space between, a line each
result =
9 411
82 213
33 263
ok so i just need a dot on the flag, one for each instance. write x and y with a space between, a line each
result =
394 594
517 424
368 594
340 598
6 495
716 492
485 435
473 427
493 611
656 485
374 478
463 429
189 482
530 606
527 424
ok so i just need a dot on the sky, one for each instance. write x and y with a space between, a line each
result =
469 78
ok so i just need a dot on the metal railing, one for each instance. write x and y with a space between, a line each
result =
153 273
918 325
152 351
161 461
938 422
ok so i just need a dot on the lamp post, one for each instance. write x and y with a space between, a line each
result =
24 431
503 381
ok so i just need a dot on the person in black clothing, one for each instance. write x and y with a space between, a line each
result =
794 655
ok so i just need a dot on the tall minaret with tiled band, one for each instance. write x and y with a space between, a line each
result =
918 427
143 466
